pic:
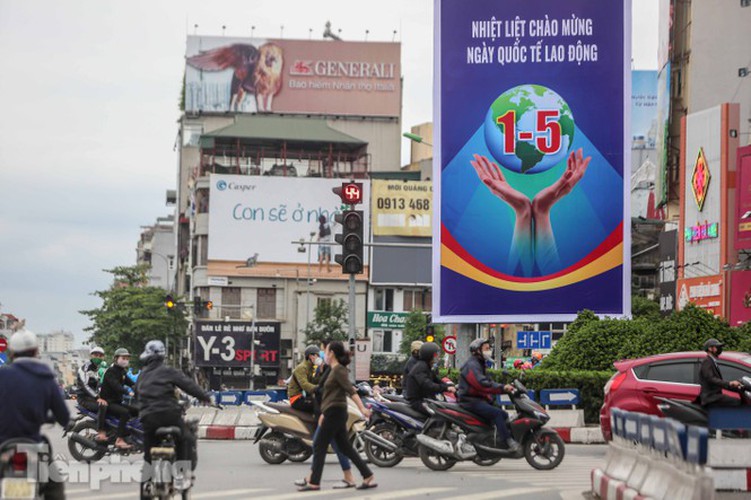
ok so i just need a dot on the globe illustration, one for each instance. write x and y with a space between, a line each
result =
532 130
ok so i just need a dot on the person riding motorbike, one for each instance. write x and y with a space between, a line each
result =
422 382
414 356
304 379
159 407
87 380
710 379
476 391
29 392
111 395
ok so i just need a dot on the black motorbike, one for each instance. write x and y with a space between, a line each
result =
168 476
454 434
691 413
21 461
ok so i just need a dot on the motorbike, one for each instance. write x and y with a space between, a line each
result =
454 434
168 478
690 413
287 434
392 431
20 461
82 431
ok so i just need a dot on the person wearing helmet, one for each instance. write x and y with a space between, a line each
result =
304 382
710 379
476 391
518 363
111 398
414 355
87 380
28 392
421 382
159 407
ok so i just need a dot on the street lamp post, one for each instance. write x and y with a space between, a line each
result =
307 292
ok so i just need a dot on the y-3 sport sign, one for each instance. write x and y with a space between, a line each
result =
228 344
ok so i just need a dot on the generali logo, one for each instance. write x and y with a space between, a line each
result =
700 180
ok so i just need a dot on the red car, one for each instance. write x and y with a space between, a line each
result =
673 375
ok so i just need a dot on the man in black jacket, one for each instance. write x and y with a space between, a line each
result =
155 390
422 383
414 355
87 380
111 398
711 380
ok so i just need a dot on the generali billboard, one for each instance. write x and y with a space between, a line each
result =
705 292
251 75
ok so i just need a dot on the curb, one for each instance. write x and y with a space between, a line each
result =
580 435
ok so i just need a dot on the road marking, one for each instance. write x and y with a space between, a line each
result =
297 494
100 494
225 493
490 495
407 493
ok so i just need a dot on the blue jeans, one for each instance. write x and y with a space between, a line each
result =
343 460
492 414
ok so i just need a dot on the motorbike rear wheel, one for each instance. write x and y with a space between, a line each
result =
302 455
88 429
379 455
544 450
486 462
268 451
431 458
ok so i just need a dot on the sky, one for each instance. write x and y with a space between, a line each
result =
88 123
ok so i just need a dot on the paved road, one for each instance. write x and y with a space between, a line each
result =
233 469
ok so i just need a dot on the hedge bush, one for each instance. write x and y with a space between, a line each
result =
589 383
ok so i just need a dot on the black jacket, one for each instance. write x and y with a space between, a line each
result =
711 382
474 383
422 383
113 384
87 381
156 388
28 390
408 368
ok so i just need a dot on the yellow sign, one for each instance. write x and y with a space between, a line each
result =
402 208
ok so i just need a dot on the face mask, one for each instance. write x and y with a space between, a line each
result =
487 354
123 363
318 362
97 361
321 355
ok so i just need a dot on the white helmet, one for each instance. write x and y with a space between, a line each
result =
23 341
96 350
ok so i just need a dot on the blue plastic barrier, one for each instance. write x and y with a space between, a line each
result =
631 427
231 398
270 396
697 445
645 430
559 397
735 419
659 436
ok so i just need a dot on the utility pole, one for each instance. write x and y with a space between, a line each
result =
352 331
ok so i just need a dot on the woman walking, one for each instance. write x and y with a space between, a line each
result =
333 421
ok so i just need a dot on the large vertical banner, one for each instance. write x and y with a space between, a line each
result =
532 103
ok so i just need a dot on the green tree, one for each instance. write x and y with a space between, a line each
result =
642 307
330 321
414 329
132 313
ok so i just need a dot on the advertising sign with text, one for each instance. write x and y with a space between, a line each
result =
250 75
261 216
705 292
402 208
740 297
743 197
532 146
227 344
668 270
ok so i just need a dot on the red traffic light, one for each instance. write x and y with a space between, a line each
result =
350 193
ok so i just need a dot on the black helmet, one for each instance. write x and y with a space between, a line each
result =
713 343
428 351
310 350
476 346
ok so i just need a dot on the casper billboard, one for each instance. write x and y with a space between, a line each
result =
250 75
261 216
532 147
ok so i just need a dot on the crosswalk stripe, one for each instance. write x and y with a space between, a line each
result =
407 493
99 494
491 495
308 494
226 493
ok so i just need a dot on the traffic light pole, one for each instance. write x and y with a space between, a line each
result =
352 332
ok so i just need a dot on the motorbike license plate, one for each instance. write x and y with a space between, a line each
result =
17 488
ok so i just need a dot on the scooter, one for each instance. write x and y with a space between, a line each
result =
20 467
168 476
287 434
82 432
690 413
454 434
392 430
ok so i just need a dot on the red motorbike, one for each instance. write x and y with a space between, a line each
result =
454 434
